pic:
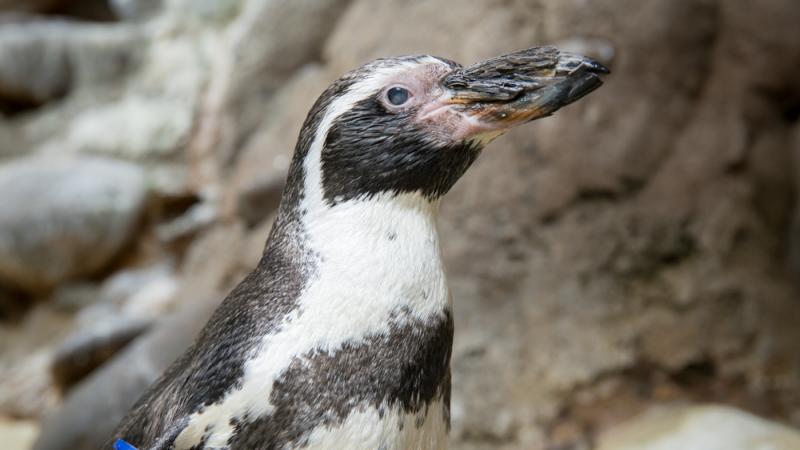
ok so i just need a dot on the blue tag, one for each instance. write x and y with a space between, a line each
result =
119 444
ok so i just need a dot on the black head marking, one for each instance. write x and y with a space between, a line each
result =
371 149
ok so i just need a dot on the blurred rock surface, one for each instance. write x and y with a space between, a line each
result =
92 408
18 434
628 251
64 218
699 428
87 350
27 390
41 60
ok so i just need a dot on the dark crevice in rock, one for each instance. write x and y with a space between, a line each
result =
82 353
84 10
791 112
13 303
12 107
784 101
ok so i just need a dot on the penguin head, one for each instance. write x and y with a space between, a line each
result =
415 124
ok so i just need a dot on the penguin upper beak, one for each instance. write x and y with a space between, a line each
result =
502 92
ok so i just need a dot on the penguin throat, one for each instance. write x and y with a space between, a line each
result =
383 247
371 219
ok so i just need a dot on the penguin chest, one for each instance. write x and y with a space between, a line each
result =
387 389
362 358
386 429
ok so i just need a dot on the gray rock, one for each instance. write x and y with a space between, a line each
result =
74 297
135 9
26 346
118 290
43 59
699 428
119 310
94 407
34 66
61 219
269 41
197 218
146 129
131 295
87 349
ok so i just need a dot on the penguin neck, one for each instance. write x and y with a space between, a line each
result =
375 253
384 246
400 222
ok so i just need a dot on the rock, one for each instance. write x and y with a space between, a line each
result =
116 313
459 34
254 188
140 294
17 434
265 45
35 79
93 408
258 199
197 218
12 140
41 60
153 300
88 349
28 6
26 347
75 296
61 219
699 428
13 303
147 129
119 289
135 9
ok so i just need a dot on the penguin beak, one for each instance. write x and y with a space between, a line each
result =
497 94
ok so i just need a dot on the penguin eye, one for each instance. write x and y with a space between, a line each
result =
397 95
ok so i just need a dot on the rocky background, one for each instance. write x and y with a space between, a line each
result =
625 273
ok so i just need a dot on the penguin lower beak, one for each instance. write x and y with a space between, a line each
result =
509 90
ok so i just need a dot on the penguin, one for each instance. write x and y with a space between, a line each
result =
341 337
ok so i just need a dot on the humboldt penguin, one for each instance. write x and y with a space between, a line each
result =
341 337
